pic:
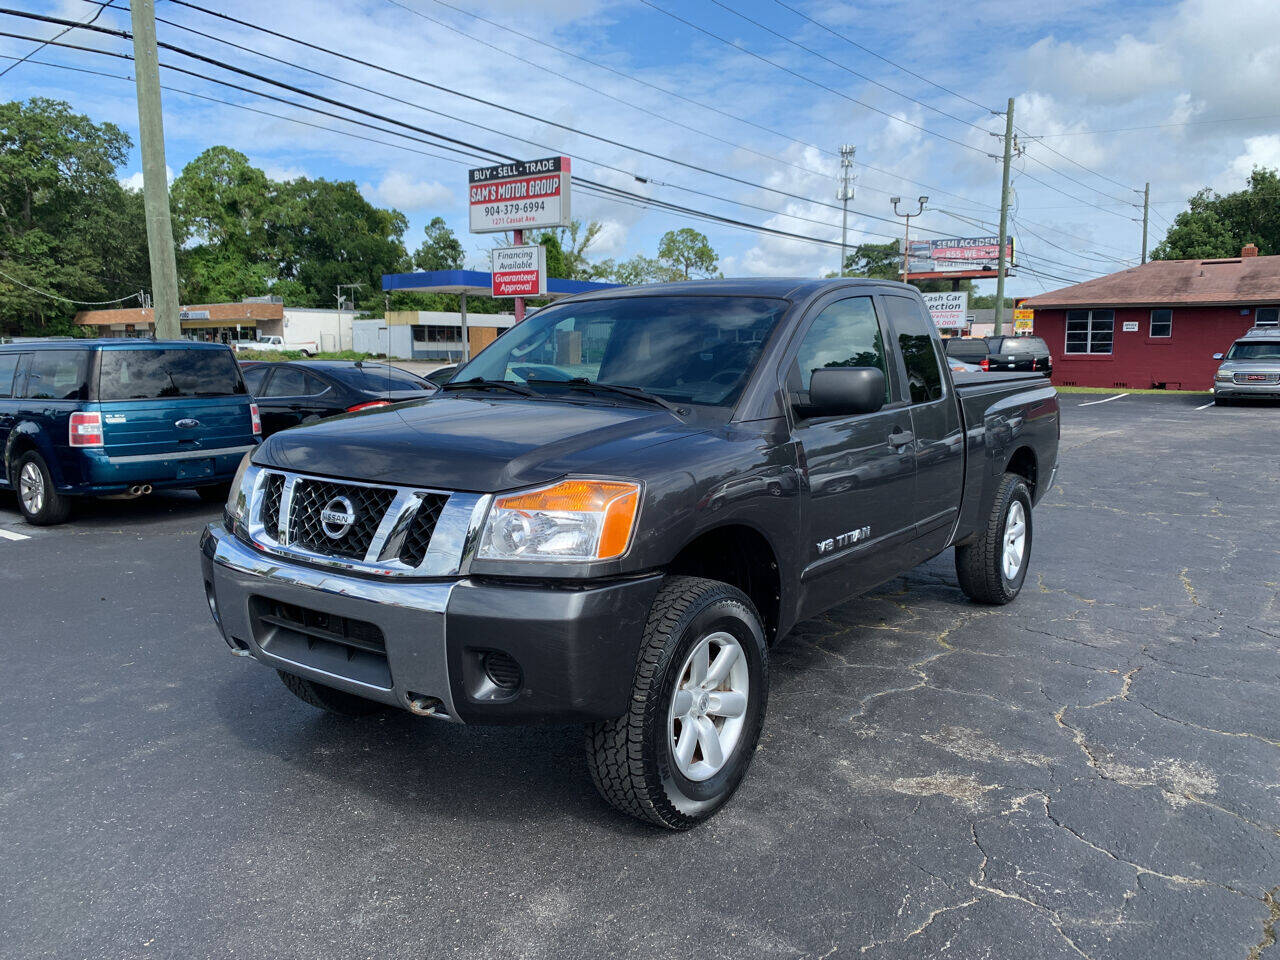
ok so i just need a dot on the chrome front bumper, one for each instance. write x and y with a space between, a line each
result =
411 617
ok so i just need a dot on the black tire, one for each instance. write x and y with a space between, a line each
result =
217 493
1223 402
327 698
630 758
979 564
54 507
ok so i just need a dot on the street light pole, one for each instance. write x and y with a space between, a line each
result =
906 237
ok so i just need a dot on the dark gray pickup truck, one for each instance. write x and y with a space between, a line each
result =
614 511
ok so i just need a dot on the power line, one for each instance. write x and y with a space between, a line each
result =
846 69
17 60
1080 183
1158 126
55 296
610 192
640 150
891 63
806 79
1088 203
1101 176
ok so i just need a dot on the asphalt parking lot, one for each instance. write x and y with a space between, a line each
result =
1093 771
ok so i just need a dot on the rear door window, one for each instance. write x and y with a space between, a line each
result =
154 374
376 377
292 382
914 330
8 369
253 378
57 375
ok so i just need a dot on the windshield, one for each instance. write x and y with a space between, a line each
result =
690 349
376 378
1265 350
958 347
1023 345
149 374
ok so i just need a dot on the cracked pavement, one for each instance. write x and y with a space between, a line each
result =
1092 771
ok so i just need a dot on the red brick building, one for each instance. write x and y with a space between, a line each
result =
1157 325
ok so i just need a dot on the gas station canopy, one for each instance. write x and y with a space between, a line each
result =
476 282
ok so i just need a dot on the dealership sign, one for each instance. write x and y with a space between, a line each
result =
529 195
520 271
948 309
956 258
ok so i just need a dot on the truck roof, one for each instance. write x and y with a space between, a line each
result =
787 288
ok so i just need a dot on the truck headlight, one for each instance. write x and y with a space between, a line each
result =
574 520
1224 375
237 508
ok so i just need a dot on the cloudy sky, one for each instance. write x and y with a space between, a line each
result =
735 108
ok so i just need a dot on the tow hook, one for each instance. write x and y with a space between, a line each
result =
427 706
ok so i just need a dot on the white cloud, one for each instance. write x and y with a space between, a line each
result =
283 174
1126 69
1262 151
610 241
404 192
134 180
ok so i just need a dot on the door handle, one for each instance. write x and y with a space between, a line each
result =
900 438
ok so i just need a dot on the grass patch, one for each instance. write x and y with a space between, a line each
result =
1125 390
271 355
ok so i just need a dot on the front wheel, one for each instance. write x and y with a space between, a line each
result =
697 705
992 568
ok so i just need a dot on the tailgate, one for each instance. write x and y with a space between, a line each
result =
162 428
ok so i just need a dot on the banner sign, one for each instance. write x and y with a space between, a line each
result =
971 257
520 271
1023 313
529 195
1023 326
948 309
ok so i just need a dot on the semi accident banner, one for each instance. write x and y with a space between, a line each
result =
530 195
957 258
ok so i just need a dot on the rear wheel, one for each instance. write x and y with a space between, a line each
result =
39 502
327 698
697 706
992 568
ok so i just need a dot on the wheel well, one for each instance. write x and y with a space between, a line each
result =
1023 463
740 556
18 444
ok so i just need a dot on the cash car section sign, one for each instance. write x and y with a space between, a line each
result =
528 195
520 271
948 309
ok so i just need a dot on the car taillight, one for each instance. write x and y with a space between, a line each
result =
85 430
986 364
369 406
1033 363
255 418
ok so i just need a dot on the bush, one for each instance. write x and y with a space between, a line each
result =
297 355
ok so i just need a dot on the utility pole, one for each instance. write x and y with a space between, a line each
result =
906 237
1004 217
1146 210
353 286
155 182
844 195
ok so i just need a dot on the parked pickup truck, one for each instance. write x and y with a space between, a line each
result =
277 345
613 512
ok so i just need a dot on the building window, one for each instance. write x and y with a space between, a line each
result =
1090 331
1162 323
1267 317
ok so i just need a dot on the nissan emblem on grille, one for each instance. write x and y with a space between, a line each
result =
337 517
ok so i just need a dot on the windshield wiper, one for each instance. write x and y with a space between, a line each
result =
479 383
635 393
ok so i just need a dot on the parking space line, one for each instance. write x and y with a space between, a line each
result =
1206 406
6 535
1107 400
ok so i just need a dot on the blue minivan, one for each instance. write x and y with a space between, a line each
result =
119 418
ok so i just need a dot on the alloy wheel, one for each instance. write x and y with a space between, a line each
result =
708 706
1015 540
31 487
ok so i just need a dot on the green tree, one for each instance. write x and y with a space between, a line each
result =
556 266
687 252
574 241
635 271
441 250
1216 225
327 234
67 226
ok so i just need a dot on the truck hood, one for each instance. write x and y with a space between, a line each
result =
472 444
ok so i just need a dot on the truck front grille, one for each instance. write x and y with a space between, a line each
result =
418 538
1257 378
338 645
272 491
309 530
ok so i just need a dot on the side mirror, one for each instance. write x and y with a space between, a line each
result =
846 390
1217 356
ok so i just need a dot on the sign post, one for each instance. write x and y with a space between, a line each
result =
948 309
528 195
